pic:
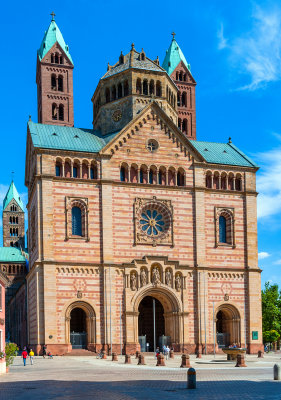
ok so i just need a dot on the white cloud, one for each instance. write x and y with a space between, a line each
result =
222 41
263 254
277 262
269 183
256 53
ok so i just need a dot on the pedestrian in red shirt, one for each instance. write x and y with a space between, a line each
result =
24 356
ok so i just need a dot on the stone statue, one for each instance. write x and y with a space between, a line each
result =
178 282
155 276
143 277
168 278
133 281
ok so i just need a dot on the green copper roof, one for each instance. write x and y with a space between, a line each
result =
11 254
67 138
53 35
12 194
173 57
223 153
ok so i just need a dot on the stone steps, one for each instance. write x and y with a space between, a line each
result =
80 353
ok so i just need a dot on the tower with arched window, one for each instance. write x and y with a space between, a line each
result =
54 78
13 219
179 70
128 87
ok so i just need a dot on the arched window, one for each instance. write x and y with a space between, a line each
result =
126 88
180 178
120 91
52 59
56 58
124 173
94 172
11 232
141 176
184 126
60 83
75 171
54 111
177 76
222 229
183 99
61 112
61 60
113 93
238 182
151 176
145 87
151 87
53 82
209 180
107 95
178 100
179 123
158 89
58 169
11 221
76 221
160 175
180 76
138 86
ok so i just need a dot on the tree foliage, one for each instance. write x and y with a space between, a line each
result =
11 350
271 312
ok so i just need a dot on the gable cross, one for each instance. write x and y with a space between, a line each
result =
173 34
53 15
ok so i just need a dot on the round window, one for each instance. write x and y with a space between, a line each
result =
152 145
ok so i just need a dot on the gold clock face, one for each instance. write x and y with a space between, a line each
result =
117 115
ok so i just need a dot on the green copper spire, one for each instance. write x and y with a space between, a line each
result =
53 35
12 194
173 57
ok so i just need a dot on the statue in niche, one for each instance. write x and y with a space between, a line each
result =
155 276
133 281
178 282
168 278
143 277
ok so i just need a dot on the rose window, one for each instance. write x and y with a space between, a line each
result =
152 222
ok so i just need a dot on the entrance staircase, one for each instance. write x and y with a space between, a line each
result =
80 353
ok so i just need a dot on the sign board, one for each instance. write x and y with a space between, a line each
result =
255 335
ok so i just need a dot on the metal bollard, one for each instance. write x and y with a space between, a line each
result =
114 357
191 378
277 372
127 359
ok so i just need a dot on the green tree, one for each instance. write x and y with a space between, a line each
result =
11 350
271 311
271 336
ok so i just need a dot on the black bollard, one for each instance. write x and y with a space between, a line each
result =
191 378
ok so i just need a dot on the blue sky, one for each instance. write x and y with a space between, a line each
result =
234 49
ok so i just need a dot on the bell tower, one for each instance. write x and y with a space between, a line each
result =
54 79
179 70
13 219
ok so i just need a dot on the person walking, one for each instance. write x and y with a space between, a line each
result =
31 355
24 356
44 351
167 352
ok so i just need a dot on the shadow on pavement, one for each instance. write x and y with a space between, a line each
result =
139 389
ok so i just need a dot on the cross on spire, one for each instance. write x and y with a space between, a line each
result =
53 15
173 34
13 175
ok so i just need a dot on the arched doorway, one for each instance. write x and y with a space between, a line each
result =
78 329
80 325
228 326
151 324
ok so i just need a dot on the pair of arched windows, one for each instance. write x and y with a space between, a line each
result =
57 82
57 58
58 112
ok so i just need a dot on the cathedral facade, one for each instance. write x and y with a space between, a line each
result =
138 233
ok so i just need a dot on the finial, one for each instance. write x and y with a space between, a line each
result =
173 34
229 140
13 176
133 46
29 118
53 15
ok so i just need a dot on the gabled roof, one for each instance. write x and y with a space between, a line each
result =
12 194
11 254
133 60
223 153
53 35
173 57
67 138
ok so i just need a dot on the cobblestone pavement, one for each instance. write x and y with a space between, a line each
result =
89 378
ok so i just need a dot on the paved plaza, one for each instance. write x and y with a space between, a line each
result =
87 377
